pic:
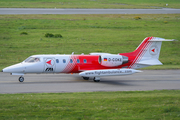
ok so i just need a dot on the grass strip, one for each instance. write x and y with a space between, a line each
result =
163 104
117 4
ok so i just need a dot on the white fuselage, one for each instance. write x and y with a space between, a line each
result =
45 64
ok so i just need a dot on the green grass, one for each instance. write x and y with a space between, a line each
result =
156 105
117 4
85 34
161 67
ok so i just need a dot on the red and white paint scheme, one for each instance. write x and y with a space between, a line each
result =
93 65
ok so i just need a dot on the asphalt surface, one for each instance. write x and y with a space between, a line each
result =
87 11
58 83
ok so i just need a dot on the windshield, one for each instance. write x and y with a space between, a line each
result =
32 59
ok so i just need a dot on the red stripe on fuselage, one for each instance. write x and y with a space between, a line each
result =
92 64
70 66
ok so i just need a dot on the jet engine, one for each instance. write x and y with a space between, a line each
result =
110 60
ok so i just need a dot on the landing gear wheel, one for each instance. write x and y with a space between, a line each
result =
21 79
96 79
86 78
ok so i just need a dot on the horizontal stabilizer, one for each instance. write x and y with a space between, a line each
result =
157 39
150 62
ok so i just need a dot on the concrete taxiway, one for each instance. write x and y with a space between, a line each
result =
58 83
87 11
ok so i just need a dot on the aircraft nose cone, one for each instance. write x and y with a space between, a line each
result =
17 68
2 71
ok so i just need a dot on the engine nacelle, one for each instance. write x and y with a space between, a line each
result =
112 60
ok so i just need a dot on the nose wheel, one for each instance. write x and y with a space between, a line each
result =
21 79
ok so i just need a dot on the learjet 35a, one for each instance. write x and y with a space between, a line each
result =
93 65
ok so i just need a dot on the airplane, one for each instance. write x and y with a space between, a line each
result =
94 65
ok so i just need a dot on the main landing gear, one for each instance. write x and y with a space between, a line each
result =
86 78
96 79
21 79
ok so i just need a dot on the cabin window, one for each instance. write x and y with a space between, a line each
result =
64 61
32 59
78 61
85 61
71 61
57 61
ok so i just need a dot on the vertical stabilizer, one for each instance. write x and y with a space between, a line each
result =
147 53
149 48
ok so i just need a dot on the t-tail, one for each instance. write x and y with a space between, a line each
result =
147 53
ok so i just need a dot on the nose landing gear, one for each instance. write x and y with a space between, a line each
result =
21 79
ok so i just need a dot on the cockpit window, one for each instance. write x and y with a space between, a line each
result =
32 59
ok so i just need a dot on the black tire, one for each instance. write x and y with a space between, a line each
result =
96 80
86 78
21 79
